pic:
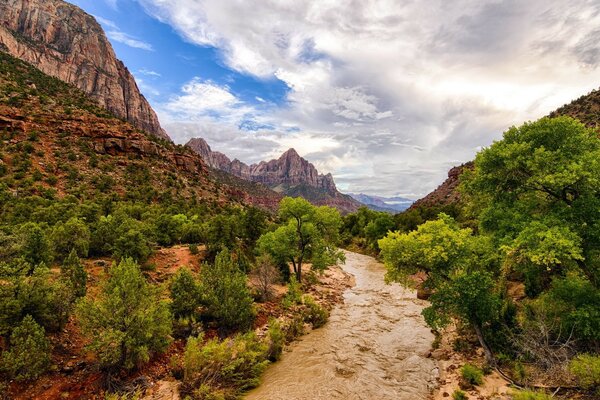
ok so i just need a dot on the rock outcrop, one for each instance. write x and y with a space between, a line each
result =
63 41
290 175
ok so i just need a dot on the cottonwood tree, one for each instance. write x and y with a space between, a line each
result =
127 321
307 234
460 271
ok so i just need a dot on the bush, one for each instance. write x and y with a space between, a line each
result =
29 353
127 322
226 293
74 273
265 274
185 294
132 244
459 395
314 313
293 295
223 369
530 395
71 235
586 368
471 374
35 247
276 340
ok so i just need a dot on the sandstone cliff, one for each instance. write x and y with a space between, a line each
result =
289 175
63 41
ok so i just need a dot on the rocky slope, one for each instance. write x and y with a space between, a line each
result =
57 141
63 41
586 109
290 175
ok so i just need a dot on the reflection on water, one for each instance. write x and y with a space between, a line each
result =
374 347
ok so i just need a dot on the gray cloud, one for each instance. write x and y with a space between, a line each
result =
386 95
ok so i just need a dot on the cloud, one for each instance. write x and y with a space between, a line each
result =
128 40
150 73
112 3
385 94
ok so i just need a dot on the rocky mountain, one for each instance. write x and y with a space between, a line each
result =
63 41
56 141
290 175
379 203
586 109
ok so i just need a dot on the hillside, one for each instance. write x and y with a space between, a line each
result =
56 142
586 109
63 41
289 175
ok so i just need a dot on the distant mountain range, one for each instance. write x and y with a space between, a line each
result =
379 203
289 175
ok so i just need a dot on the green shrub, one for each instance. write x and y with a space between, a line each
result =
459 395
276 340
226 294
185 294
132 244
471 374
127 321
72 270
530 395
71 235
294 293
586 368
294 328
223 369
314 313
35 246
29 353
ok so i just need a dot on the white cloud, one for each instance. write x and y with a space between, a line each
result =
387 94
126 39
149 72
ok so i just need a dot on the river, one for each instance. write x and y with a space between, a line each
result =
374 347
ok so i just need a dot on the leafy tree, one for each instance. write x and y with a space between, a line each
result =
73 271
307 234
35 246
132 244
538 194
378 228
127 322
29 353
185 294
71 235
226 295
459 269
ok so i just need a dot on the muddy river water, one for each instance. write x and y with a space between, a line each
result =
374 347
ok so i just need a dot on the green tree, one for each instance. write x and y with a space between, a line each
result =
226 294
307 234
73 271
35 246
28 355
537 193
132 244
185 294
71 235
128 321
459 269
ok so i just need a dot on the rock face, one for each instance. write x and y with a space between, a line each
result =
447 192
290 175
63 41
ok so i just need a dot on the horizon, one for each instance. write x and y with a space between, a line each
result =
383 95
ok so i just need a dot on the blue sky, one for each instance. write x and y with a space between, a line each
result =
387 95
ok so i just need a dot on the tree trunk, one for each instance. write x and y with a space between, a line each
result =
299 271
489 357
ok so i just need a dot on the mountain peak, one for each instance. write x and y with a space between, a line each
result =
290 153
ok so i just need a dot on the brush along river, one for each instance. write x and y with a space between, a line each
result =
374 346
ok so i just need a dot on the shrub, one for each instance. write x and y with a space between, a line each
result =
459 395
132 244
471 374
276 340
265 275
29 353
185 294
73 271
294 293
586 368
314 313
226 293
71 235
127 321
35 247
223 369
530 395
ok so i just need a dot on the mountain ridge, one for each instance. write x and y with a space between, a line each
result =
290 174
63 41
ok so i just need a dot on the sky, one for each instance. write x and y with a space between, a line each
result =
387 95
